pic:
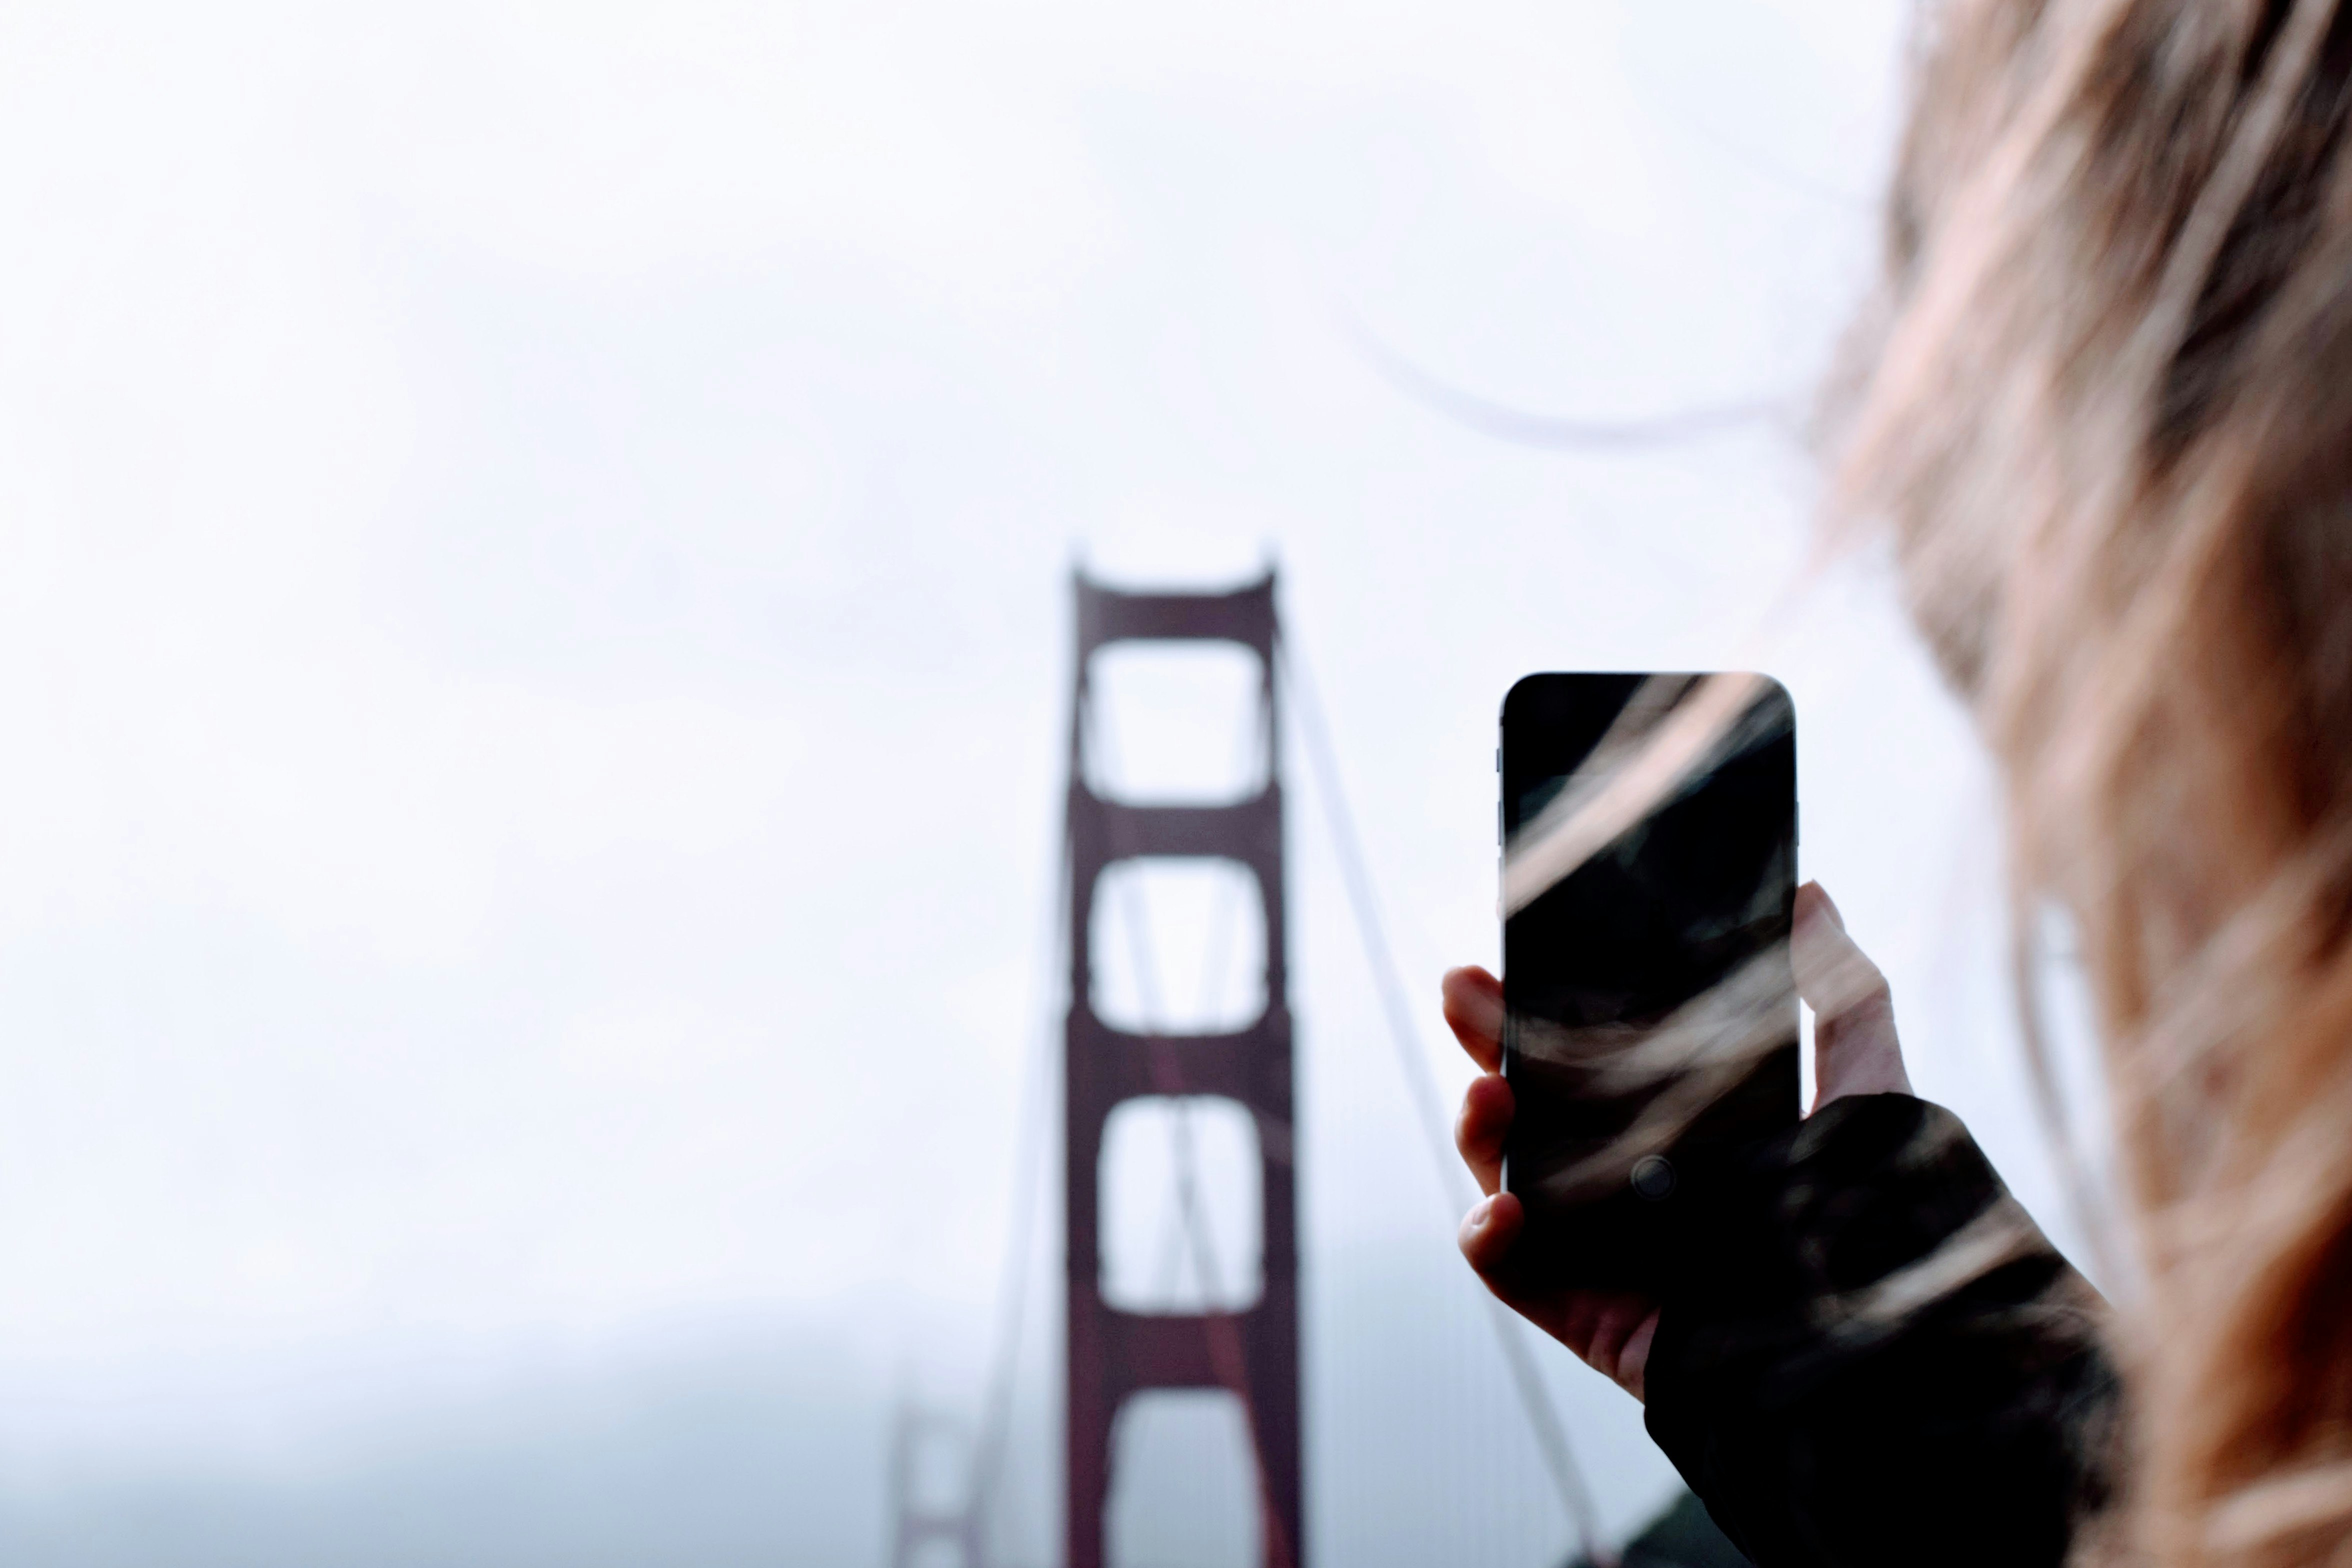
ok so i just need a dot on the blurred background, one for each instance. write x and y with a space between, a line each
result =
534 645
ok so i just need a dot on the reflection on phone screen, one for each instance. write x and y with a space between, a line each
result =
1651 830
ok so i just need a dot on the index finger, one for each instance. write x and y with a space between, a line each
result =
1473 1010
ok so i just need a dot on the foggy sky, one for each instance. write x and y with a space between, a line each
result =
533 550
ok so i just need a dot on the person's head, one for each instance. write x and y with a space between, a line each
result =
2104 408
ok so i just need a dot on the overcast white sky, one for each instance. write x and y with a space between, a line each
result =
533 550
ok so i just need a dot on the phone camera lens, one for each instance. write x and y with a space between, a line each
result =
1653 1177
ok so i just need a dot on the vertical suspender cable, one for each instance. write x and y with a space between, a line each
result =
1029 1143
1543 1417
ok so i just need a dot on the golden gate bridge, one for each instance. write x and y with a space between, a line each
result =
1213 1321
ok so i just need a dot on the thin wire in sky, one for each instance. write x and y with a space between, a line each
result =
1523 428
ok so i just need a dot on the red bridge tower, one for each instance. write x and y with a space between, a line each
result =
1252 1352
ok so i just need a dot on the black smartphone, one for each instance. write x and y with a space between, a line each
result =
1649 824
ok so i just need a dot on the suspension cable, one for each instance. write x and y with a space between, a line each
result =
1029 1145
1421 1085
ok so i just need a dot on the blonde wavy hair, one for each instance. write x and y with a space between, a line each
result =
2104 406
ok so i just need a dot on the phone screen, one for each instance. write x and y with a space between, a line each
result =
1650 825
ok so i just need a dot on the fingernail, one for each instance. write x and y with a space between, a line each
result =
1480 1212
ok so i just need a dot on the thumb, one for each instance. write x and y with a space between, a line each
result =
1855 1050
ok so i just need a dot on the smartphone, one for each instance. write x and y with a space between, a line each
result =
1649 825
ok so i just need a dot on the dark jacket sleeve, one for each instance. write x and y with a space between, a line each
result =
1876 1358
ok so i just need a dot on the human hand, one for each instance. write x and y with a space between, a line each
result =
1855 1051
